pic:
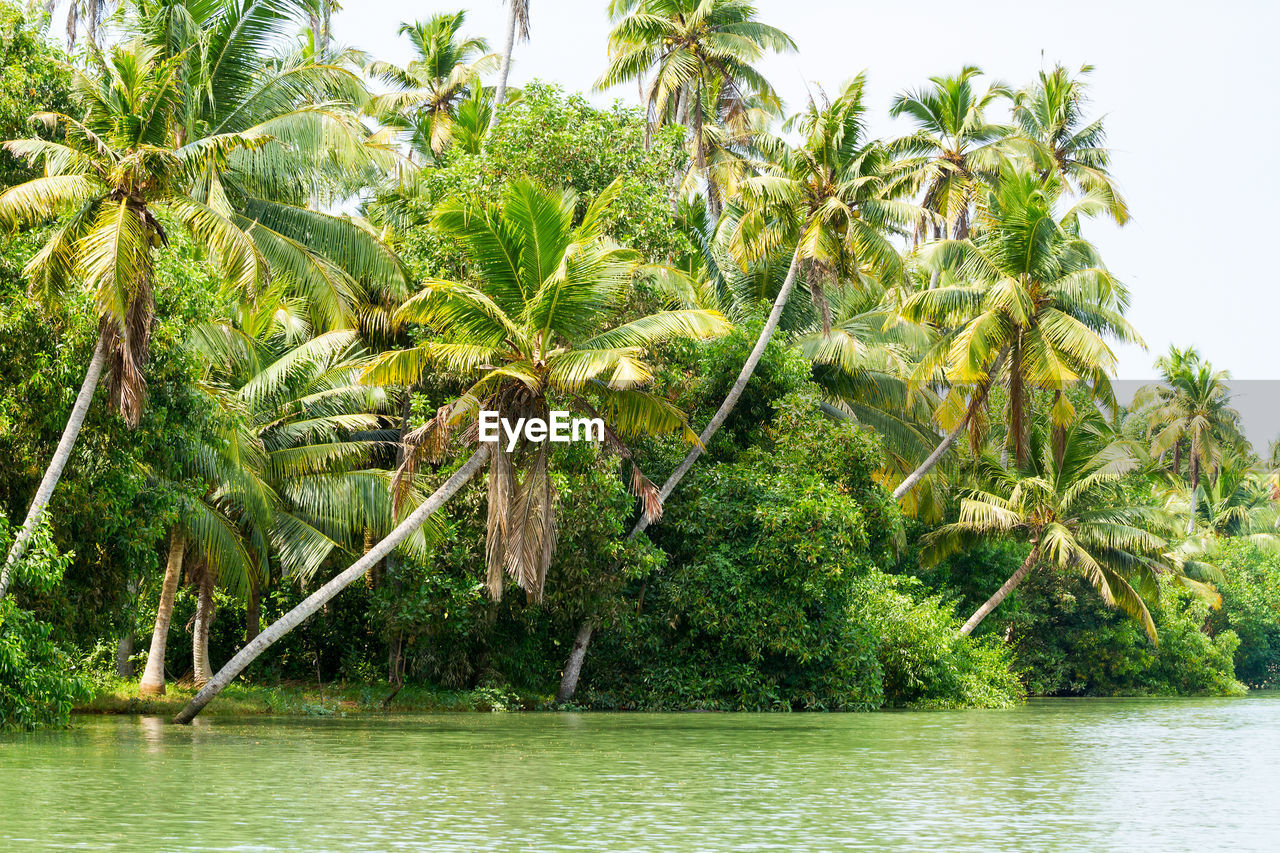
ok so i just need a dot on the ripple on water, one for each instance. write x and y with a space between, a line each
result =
1182 774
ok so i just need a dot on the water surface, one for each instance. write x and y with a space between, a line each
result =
1098 774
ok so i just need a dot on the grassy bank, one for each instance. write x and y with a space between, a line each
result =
309 700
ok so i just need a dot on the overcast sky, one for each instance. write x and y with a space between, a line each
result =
1184 87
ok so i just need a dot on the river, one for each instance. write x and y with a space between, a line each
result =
1089 774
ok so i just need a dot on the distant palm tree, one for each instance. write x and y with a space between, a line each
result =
1054 132
1074 511
1191 408
526 336
700 58
828 203
956 153
443 74
288 467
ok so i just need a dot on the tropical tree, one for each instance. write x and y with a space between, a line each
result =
528 335
699 56
1072 508
829 203
1026 295
1059 140
105 183
1192 409
517 19
431 89
316 149
291 464
955 154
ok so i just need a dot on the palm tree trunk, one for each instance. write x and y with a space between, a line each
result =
124 643
994 601
500 92
253 612
1195 485
152 683
321 597
572 669
979 396
60 456
730 400
200 636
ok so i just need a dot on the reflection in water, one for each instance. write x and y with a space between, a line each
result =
1055 775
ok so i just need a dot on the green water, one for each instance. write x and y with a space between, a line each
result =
1188 774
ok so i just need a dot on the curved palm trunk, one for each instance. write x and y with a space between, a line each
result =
572 669
1195 484
735 393
979 397
500 92
994 601
200 636
321 597
60 456
152 683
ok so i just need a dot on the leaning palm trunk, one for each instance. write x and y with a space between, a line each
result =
1195 486
152 683
200 635
60 456
994 601
322 596
979 396
730 400
500 91
573 668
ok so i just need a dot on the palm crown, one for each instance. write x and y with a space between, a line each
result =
1071 506
527 334
1028 289
431 88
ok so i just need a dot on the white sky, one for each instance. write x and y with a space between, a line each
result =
1183 86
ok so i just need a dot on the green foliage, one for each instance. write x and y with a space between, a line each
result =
1251 609
771 598
557 140
38 686
1068 643
923 661
33 76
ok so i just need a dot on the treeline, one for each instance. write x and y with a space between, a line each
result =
862 448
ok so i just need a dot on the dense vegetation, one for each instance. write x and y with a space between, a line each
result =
861 447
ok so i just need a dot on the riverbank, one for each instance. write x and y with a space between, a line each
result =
302 699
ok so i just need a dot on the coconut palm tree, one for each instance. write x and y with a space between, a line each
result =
319 151
528 335
829 204
1074 512
1054 133
429 91
517 19
700 57
105 184
955 153
1026 295
291 461
1192 408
